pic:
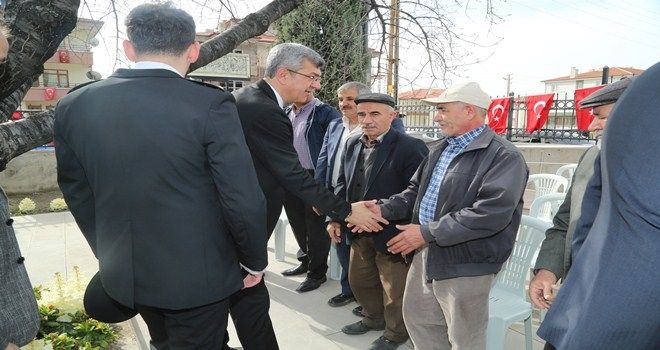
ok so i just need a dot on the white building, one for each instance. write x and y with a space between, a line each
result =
566 85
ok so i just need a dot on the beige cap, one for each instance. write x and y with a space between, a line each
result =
469 93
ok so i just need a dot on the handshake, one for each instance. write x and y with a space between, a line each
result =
365 216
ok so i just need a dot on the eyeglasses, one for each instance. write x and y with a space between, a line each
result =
315 78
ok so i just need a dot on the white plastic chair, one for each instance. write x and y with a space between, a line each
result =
508 300
547 183
546 206
569 170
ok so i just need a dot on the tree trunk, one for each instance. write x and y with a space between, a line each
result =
38 27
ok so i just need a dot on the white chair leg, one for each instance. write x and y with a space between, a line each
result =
334 268
280 238
495 334
529 335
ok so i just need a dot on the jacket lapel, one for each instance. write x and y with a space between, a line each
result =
263 86
353 148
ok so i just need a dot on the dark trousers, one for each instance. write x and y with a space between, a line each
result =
549 346
202 327
249 307
249 311
344 253
310 233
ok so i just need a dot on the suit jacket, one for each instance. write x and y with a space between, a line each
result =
397 158
269 136
19 318
156 172
328 154
610 299
555 254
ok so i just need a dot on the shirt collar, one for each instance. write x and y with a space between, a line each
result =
463 140
305 107
280 100
155 65
347 123
365 141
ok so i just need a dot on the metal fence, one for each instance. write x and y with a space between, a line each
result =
561 126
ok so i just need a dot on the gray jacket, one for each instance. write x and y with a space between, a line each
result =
19 318
479 207
555 254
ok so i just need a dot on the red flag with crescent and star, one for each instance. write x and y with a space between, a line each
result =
538 109
498 113
584 116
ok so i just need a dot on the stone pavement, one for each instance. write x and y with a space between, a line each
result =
53 243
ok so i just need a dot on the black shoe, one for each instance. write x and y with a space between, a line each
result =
357 311
310 284
359 327
383 343
298 270
340 300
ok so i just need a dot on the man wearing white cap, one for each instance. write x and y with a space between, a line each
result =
466 203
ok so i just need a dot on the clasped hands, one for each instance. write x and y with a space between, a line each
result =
366 216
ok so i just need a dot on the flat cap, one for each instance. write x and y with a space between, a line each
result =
377 98
470 93
606 95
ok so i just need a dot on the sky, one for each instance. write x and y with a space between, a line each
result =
534 41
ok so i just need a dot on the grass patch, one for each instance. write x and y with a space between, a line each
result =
41 199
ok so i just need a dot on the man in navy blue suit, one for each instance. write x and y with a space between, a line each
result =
610 299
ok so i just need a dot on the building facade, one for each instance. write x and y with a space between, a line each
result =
565 86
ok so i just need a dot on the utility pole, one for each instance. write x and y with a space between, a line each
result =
393 61
508 83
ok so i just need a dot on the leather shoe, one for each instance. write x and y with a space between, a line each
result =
340 300
298 270
383 343
359 327
310 284
357 311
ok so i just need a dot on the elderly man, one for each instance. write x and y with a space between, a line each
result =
466 203
554 259
19 318
327 169
377 164
293 72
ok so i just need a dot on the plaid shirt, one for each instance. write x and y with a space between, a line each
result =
430 200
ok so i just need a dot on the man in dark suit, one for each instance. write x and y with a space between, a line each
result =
157 174
610 298
292 72
377 164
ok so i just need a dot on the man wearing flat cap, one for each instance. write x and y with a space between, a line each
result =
554 259
377 164
466 203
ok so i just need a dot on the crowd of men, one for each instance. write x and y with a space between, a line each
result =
421 230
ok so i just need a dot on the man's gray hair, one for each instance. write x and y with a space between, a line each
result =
291 56
361 88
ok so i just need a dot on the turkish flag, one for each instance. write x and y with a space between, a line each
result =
584 116
538 109
64 56
498 113
16 116
49 93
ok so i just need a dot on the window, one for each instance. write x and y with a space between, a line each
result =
579 84
56 77
238 51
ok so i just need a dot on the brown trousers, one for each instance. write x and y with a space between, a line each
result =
378 281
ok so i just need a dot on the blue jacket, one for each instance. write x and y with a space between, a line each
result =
316 126
610 298
328 154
